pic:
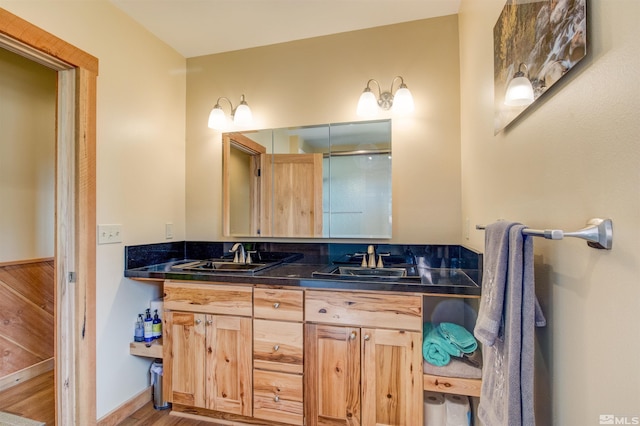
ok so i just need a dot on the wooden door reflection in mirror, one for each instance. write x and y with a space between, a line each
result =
295 198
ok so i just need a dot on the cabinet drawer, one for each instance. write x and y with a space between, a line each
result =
364 309
275 304
211 298
278 346
278 397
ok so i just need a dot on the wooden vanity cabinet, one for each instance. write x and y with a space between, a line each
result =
363 359
208 351
297 356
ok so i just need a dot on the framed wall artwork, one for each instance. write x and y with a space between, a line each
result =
535 43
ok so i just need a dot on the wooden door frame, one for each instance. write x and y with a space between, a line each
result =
75 223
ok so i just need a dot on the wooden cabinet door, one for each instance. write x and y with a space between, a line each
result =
229 372
332 374
295 199
391 378
184 358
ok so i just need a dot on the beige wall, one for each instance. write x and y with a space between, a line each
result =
140 165
319 80
27 158
575 155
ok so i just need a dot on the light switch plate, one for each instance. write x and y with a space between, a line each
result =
109 234
168 230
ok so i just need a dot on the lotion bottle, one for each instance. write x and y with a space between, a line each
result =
156 326
148 328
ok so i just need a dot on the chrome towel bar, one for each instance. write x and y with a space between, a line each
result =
598 233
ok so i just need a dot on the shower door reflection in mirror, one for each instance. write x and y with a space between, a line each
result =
359 199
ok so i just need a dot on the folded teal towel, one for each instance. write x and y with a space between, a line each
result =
441 343
435 349
458 336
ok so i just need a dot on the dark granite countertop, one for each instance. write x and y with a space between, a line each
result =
307 272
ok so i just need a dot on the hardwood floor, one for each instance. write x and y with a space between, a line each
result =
147 415
34 399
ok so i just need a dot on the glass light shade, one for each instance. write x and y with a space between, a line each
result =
403 101
217 119
243 115
367 105
519 92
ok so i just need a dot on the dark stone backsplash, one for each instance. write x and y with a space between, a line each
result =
426 255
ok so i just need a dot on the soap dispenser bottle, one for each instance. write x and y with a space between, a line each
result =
138 335
148 328
156 326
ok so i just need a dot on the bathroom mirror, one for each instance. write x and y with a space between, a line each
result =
322 181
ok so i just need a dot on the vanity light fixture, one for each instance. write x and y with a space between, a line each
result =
241 114
520 90
401 102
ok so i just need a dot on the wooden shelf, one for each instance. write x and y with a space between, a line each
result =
469 387
140 349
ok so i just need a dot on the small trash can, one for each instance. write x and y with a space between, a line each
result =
156 381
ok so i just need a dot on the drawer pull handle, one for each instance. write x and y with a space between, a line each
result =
276 398
276 347
209 322
276 305
198 321
367 337
353 335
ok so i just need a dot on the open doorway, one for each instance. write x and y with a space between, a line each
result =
74 225
27 226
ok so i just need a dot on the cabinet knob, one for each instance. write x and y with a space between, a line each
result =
353 335
198 321
276 305
276 347
367 337
276 398
209 322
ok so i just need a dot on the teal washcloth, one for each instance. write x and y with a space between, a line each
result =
440 343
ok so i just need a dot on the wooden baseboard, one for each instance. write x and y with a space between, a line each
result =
26 261
116 416
27 373
219 418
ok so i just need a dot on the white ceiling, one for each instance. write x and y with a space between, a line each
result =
203 27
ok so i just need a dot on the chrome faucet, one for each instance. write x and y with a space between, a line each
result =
371 255
239 256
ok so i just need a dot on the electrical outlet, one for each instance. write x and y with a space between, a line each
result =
168 231
109 234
